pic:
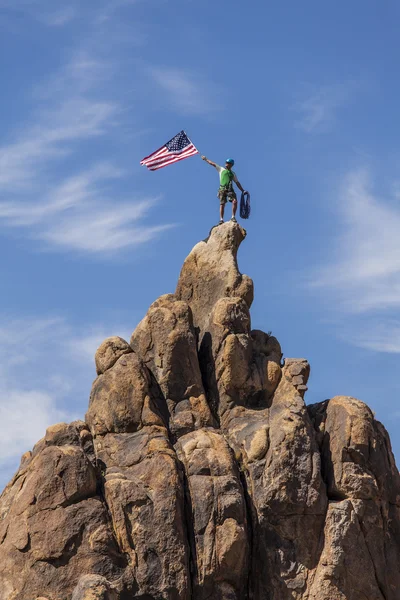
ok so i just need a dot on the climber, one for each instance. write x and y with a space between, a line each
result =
226 191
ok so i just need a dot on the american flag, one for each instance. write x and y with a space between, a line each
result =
177 149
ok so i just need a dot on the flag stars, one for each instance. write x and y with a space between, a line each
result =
178 143
179 148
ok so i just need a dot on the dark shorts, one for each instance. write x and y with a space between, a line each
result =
226 194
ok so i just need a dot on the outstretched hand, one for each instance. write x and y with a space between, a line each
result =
203 158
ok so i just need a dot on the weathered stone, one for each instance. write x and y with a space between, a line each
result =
218 516
109 352
122 400
345 570
210 273
50 512
144 493
94 587
200 473
363 485
278 454
166 341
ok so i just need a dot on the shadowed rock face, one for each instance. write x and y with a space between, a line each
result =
199 472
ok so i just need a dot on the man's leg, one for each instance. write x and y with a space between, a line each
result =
234 207
222 202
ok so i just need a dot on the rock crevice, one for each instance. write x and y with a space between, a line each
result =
200 473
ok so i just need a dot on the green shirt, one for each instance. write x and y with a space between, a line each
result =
226 176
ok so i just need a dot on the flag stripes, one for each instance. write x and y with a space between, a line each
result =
178 148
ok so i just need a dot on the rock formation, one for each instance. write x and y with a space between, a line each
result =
199 472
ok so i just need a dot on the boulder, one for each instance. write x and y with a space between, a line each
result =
199 471
109 352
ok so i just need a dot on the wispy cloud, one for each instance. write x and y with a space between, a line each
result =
30 400
46 366
24 417
66 195
60 17
318 107
366 268
109 231
79 214
28 340
75 211
23 162
43 11
362 279
83 347
186 91
109 7
381 334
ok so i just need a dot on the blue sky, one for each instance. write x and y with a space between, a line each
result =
304 96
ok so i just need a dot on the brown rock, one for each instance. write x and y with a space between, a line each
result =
210 273
218 514
94 587
345 570
278 454
109 352
166 341
49 513
199 473
364 490
122 399
144 493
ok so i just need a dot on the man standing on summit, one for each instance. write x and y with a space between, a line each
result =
226 191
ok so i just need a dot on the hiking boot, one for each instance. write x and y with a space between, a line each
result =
233 220
221 221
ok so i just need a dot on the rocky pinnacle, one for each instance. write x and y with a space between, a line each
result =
199 472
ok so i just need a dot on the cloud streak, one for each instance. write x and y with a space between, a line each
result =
380 335
44 368
60 17
79 215
366 270
317 111
42 11
25 415
362 280
75 211
186 92
29 398
22 161
45 12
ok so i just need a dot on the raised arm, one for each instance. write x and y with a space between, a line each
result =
210 162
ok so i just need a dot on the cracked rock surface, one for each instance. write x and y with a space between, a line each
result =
199 472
